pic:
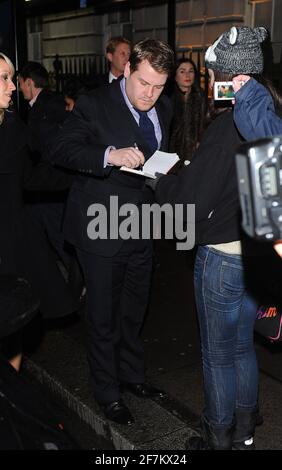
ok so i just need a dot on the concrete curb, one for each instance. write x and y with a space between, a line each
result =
170 431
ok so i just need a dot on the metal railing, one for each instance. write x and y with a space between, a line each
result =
83 68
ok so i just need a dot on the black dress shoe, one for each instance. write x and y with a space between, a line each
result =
119 413
143 390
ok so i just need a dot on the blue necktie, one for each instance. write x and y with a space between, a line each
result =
148 131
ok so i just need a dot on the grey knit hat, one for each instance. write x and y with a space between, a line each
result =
237 51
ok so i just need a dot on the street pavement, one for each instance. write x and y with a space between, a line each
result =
173 362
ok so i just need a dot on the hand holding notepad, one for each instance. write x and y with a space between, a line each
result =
159 162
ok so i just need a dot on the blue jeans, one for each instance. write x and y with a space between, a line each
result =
226 315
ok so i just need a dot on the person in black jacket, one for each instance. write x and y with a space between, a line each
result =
73 88
227 275
46 110
102 134
24 249
46 114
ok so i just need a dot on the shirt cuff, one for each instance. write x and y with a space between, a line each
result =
106 155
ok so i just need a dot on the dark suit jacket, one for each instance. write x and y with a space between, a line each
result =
99 120
102 79
45 117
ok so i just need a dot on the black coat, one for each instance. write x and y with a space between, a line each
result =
99 120
45 118
24 249
210 183
99 80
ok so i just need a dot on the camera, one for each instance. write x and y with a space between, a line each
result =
223 91
259 174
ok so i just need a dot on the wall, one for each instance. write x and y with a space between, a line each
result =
76 33
150 22
199 22
83 34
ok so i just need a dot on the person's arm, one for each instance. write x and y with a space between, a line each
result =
76 147
45 120
200 183
254 112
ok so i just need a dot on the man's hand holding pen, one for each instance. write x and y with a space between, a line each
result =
131 157
140 167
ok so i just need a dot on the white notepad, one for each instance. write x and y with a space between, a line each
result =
159 162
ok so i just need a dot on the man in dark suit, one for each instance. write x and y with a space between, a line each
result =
46 108
117 53
46 114
103 133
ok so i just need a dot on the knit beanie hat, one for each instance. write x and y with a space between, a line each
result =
237 51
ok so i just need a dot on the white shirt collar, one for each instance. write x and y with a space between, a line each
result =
111 77
31 102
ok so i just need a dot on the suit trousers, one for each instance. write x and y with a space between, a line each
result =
117 293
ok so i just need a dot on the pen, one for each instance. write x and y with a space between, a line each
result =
140 167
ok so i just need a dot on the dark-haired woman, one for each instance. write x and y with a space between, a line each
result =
188 110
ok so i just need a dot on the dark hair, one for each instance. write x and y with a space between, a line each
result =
159 55
277 98
37 73
73 88
114 42
189 117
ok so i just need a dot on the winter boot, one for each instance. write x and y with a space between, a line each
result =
245 423
212 437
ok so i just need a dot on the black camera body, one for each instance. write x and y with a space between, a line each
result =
259 174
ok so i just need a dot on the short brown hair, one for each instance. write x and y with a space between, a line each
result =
158 53
114 42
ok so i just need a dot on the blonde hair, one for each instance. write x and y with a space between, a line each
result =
12 69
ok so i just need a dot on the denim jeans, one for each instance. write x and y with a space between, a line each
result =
226 315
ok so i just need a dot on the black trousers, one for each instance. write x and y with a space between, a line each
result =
117 297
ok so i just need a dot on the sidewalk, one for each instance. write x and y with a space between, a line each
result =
173 361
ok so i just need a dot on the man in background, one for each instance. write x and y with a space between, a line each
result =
117 52
46 108
46 115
